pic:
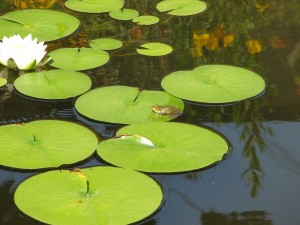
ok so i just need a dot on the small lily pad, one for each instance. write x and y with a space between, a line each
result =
124 14
78 58
2 81
91 196
106 44
125 105
214 84
45 25
181 7
164 147
53 84
146 20
94 6
44 144
154 49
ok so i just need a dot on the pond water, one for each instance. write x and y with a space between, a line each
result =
258 182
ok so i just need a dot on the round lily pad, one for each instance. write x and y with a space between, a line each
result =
44 144
106 44
163 147
45 25
181 7
91 196
125 105
94 6
154 49
214 84
124 14
2 81
146 20
53 84
78 58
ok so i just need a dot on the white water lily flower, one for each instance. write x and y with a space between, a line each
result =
25 54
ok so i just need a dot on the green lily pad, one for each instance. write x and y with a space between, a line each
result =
214 84
53 84
78 58
2 81
146 20
124 14
44 144
106 44
154 49
181 7
163 147
91 196
94 6
125 105
45 25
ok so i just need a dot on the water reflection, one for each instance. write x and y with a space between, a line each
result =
236 218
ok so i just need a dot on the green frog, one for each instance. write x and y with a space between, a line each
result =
166 110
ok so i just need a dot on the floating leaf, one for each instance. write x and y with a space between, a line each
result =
176 147
124 14
111 196
53 84
45 143
2 81
146 20
106 44
46 25
154 49
214 84
94 6
125 105
78 59
181 7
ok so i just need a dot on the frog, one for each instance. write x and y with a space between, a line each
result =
166 110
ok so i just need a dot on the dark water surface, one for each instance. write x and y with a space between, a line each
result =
259 182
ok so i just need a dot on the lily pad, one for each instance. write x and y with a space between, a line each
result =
181 7
214 84
45 25
154 49
106 44
53 84
163 147
78 58
97 195
125 105
44 144
146 20
124 14
2 81
94 6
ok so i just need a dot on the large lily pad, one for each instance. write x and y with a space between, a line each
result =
53 84
214 84
91 196
124 14
45 143
181 7
163 147
106 44
146 20
94 6
154 49
125 105
46 25
78 58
